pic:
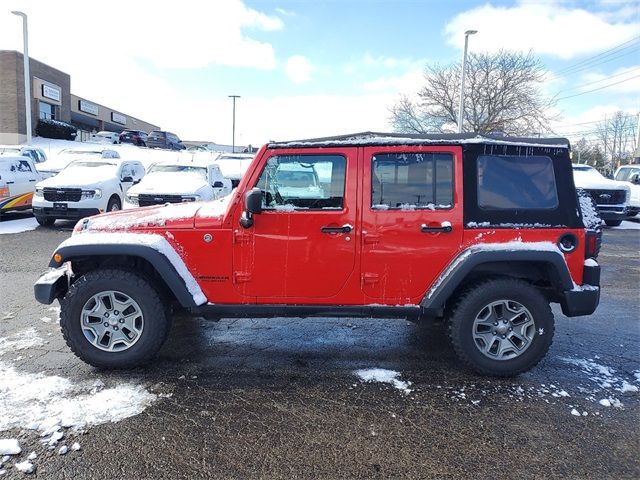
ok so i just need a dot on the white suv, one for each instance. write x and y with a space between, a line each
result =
177 182
84 188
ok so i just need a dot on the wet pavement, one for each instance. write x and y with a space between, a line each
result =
278 398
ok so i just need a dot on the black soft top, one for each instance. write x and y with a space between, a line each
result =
378 139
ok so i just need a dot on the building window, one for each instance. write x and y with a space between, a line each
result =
46 111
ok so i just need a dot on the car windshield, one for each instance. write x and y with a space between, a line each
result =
104 134
583 168
89 153
179 168
83 164
624 174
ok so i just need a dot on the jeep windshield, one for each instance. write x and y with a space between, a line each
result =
179 169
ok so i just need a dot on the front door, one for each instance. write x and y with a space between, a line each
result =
302 244
411 219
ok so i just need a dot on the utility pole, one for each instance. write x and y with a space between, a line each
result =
27 74
233 141
464 71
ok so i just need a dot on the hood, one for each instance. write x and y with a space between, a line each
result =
170 216
597 181
169 183
80 177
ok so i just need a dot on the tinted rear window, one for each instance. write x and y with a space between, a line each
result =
516 182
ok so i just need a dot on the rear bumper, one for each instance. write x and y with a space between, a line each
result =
51 285
583 299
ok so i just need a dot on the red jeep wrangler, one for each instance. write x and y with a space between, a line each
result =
484 232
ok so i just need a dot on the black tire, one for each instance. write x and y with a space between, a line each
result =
156 320
45 221
474 299
613 223
114 204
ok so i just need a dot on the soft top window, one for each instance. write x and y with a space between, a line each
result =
516 182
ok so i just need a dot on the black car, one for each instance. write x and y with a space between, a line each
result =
137 137
162 139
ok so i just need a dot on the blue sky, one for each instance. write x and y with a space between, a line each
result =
314 68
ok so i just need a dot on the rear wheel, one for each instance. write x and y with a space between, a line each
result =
45 221
113 318
501 327
613 223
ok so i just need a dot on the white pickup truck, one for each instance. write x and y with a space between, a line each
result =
179 182
630 174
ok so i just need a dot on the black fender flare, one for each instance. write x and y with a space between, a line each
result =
457 270
159 261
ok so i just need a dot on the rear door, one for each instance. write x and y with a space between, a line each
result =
411 219
301 245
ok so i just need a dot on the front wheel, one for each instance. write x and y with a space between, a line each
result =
113 318
114 204
613 223
501 327
45 221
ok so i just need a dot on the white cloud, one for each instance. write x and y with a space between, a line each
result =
547 28
626 80
408 83
187 34
298 69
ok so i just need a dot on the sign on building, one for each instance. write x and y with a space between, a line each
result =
118 118
50 92
87 107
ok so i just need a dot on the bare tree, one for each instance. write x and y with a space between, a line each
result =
587 152
617 136
502 95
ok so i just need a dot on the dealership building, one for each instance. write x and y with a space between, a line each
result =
51 98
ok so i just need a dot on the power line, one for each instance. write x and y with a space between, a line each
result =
601 80
596 89
587 62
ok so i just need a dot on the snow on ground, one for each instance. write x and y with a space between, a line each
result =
20 341
627 225
9 446
384 376
18 226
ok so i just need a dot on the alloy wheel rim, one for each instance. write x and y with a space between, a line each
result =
503 330
112 321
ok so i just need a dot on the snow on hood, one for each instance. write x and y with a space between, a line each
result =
592 179
160 216
169 183
81 176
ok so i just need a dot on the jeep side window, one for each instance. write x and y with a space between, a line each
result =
412 180
303 181
516 182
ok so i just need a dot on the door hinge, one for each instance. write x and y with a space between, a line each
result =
240 237
241 277
368 278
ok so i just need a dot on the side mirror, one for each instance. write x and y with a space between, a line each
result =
127 179
218 184
635 178
252 205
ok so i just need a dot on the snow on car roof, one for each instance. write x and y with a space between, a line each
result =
377 138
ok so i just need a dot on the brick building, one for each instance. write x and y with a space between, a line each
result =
51 97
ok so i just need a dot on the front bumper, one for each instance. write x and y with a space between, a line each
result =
51 285
583 299
69 213
612 212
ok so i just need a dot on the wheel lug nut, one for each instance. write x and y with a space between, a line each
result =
116 312
106 314
504 336
495 333
106 324
121 320
115 328
511 329
504 321
495 324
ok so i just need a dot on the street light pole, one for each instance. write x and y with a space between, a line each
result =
27 75
464 71
233 145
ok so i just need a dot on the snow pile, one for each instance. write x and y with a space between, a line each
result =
157 242
626 225
25 467
49 403
20 341
590 217
384 376
9 446
18 226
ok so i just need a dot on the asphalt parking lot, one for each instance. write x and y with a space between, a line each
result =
278 398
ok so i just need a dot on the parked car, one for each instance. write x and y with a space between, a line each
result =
85 187
106 137
394 233
611 197
137 137
18 177
175 182
233 165
630 174
34 153
162 139
54 165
